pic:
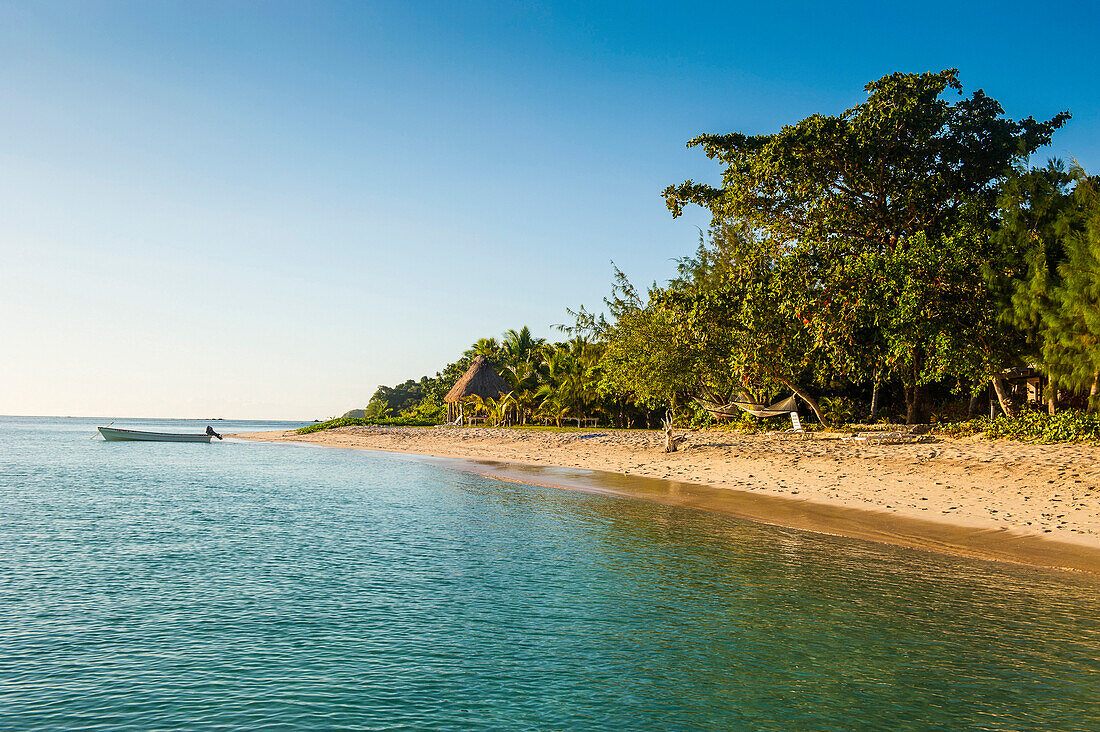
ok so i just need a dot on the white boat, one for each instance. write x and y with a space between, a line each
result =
115 435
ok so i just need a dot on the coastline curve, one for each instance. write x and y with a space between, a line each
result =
989 544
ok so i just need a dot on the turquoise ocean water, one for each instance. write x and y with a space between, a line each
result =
254 586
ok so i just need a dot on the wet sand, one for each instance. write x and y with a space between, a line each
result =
1003 500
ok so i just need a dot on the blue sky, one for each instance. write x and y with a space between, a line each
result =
268 209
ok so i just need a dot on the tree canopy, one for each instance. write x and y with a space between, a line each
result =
880 218
902 246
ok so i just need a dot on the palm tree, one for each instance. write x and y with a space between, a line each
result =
520 346
552 407
487 347
495 410
569 387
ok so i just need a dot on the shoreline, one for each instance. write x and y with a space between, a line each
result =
821 485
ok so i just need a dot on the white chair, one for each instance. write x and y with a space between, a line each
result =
796 430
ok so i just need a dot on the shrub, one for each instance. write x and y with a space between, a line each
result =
838 410
356 422
428 410
1069 425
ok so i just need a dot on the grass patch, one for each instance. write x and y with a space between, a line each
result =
358 422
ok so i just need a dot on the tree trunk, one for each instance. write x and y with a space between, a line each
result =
1094 393
917 408
1002 397
916 405
1052 398
975 404
804 397
874 394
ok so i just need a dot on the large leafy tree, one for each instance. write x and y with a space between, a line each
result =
902 171
650 353
750 334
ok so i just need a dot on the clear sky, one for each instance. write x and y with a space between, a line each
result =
220 209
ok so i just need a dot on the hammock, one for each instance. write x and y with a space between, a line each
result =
778 409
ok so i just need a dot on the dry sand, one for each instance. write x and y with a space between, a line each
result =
1038 504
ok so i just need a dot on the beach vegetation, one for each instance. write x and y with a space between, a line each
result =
1050 234
898 261
1070 425
839 410
883 212
362 422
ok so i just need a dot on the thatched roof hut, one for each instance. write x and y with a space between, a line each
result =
479 379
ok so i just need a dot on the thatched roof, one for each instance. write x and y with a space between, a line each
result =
479 379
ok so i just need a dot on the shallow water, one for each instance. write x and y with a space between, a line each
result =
244 585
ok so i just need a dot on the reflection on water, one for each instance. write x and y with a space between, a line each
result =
240 585
979 543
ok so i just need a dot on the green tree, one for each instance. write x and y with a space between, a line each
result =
487 347
1072 350
905 170
1043 217
519 346
741 299
649 352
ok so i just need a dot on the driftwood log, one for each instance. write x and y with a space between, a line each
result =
671 440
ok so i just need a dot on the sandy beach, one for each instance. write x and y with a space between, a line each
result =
1031 503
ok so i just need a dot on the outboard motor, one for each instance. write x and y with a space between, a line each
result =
210 431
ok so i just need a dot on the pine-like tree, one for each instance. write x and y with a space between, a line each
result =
1072 350
1050 282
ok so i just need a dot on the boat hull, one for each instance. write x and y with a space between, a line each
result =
116 435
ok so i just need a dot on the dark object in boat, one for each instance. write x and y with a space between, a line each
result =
210 431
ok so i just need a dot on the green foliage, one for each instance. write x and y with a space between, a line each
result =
651 350
898 241
749 424
429 410
357 422
571 377
379 409
839 410
876 221
549 382
903 162
1066 426
1072 354
1049 287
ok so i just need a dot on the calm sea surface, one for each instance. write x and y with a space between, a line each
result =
253 586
